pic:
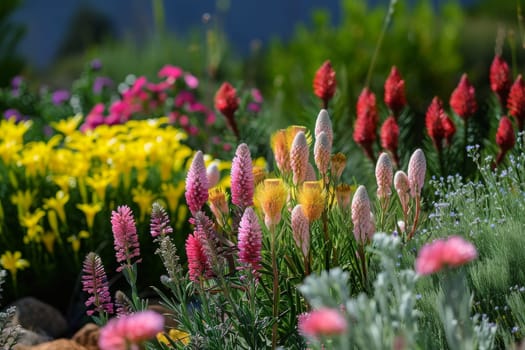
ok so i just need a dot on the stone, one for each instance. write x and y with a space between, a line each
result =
59 344
37 316
87 336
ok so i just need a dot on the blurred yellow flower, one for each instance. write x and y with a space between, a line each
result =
75 240
67 126
144 199
23 201
172 194
57 204
31 222
174 335
90 210
99 182
13 262
49 239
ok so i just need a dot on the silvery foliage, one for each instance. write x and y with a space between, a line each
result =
381 321
8 331
388 319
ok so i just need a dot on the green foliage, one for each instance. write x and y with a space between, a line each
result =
489 212
422 43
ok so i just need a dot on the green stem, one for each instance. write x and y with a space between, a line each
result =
416 219
275 310
380 41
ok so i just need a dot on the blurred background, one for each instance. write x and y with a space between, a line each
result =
275 46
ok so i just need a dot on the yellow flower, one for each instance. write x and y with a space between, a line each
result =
12 131
57 203
144 199
172 194
64 182
75 240
53 221
90 210
175 335
49 239
31 222
312 199
67 126
13 262
23 201
271 196
218 202
99 183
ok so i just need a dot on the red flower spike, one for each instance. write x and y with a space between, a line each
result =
227 102
516 101
439 126
395 97
324 83
500 78
389 136
366 122
463 99
505 137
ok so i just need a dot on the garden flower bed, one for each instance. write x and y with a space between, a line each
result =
288 250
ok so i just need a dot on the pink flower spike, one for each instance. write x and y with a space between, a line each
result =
323 123
363 227
126 240
301 229
198 264
196 184
129 331
299 154
384 176
322 152
322 322
417 167
250 241
242 182
213 174
95 283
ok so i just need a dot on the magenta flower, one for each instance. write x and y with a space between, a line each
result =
196 184
126 240
171 73
60 96
250 241
322 322
129 331
451 252
160 222
95 283
242 182
191 81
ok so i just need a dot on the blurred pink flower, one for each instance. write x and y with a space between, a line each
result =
191 81
322 322
452 252
170 72
160 221
128 331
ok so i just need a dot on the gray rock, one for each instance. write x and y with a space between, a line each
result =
37 316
